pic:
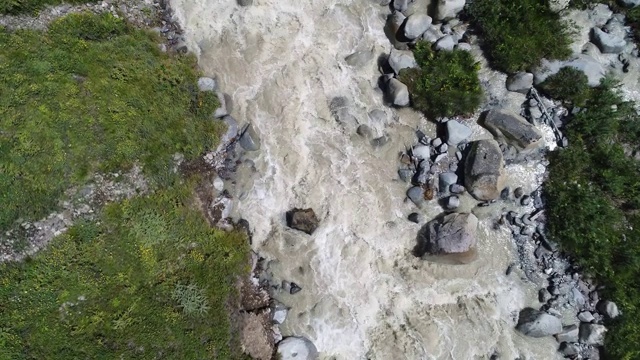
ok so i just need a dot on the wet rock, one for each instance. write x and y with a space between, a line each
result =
416 25
520 82
207 84
526 200
568 334
249 140
359 58
379 141
567 349
397 93
365 131
609 309
432 34
452 203
544 295
443 148
294 289
377 116
416 194
607 43
231 133
422 152
514 128
586 317
518 192
446 9
304 220
445 180
405 174
297 348
457 132
592 334
484 170
456 189
453 236
447 43
416 218
504 194
436 142
536 323
401 59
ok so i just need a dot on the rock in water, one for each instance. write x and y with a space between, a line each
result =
401 59
245 2
608 309
568 334
457 132
207 84
359 58
249 140
400 5
520 82
607 43
416 25
484 170
416 194
447 9
514 128
297 348
302 219
592 334
537 324
398 93
452 236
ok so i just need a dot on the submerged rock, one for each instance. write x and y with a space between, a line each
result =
304 220
297 348
536 323
514 128
452 236
607 43
359 58
249 140
484 170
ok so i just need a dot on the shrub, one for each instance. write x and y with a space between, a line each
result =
569 84
518 34
445 84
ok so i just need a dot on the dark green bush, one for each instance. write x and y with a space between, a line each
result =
518 34
445 84
593 199
569 84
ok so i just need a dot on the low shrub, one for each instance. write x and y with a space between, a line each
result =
569 84
445 83
518 34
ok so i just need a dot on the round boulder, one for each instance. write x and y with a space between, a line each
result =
297 348
451 238
538 324
416 25
484 170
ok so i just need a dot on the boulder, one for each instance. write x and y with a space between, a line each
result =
304 220
520 82
365 131
416 25
401 59
568 350
279 313
452 203
400 5
592 334
452 236
447 42
629 3
397 93
416 194
445 180
607 43
432 34
245 2
514 128
484 170
422 152
457 132
538 324
359 58
226 105
231 133
207 84
586 316
297 348
249 140
568 334
609 309
446 9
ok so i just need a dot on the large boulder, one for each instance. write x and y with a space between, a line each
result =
397 93
207 84
606 42
568 334
457 132
452 237
609 309
297 348
514 128
534 323
484 170
304 220
249 139
520 82
592 334
447 42
401 59
416 25
400 5
447 9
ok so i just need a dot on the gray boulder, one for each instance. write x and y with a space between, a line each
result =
249 140
245 2
567 349
609 309
514 128
538 324
432 34
586 316
629 3
377 116
398 93
359 58
568 334
447 42
445 180
520 82
231 133
607 43
456 189
365 131
452 203
416 25
400 5
422 152
226 105
446 9
207 84
484 170
452 237
592 334
401 59
416 194
279 313
457 132
297 348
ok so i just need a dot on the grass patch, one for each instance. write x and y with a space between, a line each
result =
92 95
445 83
15 7
149 280
518 34
593 198
569 85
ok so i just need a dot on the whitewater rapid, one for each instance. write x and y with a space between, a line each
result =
365 296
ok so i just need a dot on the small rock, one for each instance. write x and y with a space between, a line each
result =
416 25
416 218
436 142
401 59
295 288
518 192
400 5
568 334
568 349
397 93
405 174
586 317
452 203
439 158
365 131
443 148
526 200
520 82
445 180
379 141
504 194
279 313
535 112
609 309
218 183
297 348
446 43
304 220
456 189
544 295
463 46
422 152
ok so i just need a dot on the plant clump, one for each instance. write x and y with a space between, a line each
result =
445 83
569 84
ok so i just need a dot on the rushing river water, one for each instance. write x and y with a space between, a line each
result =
364 295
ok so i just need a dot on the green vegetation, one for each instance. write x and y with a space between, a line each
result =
446 82
593 195
92 95
150 280
569 84
14 7
518 34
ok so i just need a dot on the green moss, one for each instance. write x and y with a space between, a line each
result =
92 95
445 84
518 34
593 198
569 84
107 290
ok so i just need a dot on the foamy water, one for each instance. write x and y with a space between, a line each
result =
364 295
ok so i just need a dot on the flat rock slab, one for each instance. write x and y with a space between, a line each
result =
514 128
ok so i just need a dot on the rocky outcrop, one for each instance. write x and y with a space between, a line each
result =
452 236
447 9
297 348
514 128
304 220
484 170
537 324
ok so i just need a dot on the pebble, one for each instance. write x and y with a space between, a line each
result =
294 288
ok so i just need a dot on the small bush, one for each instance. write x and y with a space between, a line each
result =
445 84
569 84
518 34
